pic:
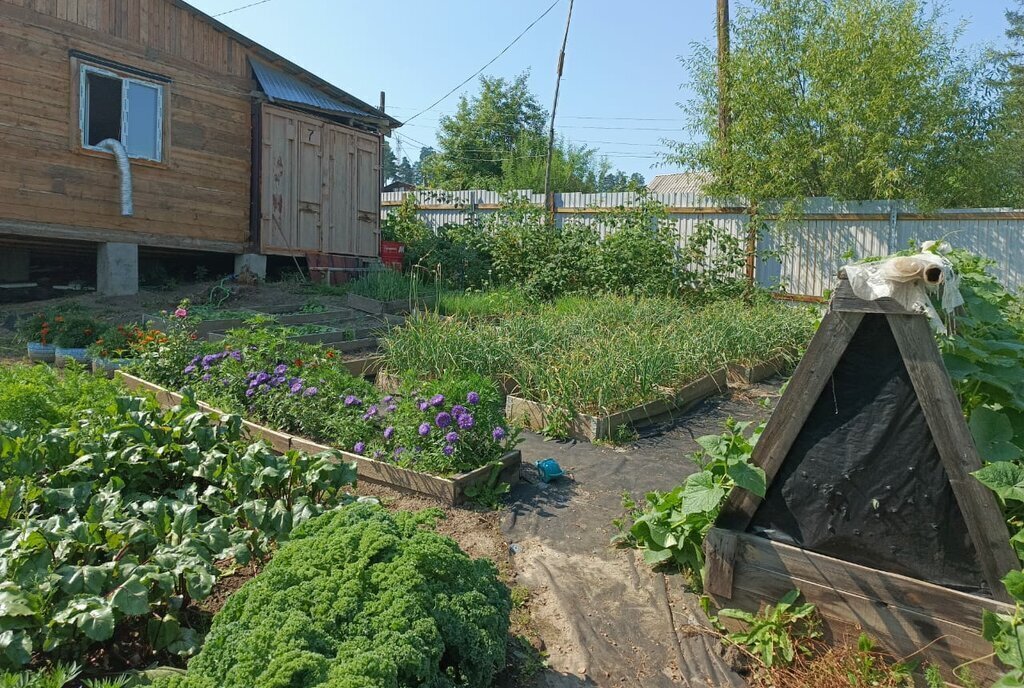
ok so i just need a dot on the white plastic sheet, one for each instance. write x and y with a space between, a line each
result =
909 280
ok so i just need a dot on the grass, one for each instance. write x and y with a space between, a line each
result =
391 285
594 355
485 304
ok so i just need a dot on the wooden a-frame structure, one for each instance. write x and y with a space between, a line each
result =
907 615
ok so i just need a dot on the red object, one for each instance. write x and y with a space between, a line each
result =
392 253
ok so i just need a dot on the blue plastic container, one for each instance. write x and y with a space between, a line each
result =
60 355
43 353
549 470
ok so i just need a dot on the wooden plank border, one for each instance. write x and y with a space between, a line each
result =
907 616
748 374
451 491
589 428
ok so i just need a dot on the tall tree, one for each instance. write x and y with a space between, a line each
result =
486 130
1008 134
388 162
845 98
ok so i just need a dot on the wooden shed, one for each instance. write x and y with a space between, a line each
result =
231 148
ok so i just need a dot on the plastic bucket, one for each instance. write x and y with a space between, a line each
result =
41 353
62 355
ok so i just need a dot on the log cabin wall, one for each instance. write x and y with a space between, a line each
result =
196 197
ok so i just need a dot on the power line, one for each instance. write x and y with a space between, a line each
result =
581 126
593 117
239 9
492 60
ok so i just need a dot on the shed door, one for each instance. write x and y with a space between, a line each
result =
367 239
339 192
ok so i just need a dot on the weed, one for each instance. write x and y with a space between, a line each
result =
776 634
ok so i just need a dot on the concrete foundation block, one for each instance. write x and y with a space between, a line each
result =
14 264
117 269
251 262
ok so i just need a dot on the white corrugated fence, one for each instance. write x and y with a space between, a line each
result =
812 248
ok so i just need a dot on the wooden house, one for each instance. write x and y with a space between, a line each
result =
230 147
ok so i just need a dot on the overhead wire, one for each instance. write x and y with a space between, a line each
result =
489 63
239 9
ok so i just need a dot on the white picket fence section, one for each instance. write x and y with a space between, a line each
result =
812 249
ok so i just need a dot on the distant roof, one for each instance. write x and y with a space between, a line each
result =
301 76
682 182
399 186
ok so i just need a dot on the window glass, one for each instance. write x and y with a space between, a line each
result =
143 122
103 108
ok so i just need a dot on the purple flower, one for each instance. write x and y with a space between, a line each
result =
399 450
352 400
391 408
249 392
250 376
281 369
437 400
424 429
225 382
498 433
424 406
275 381
189 369
389 432
197 358
370 412
388 399
262 378
359 447
237 355
443 419
452 437
448 450
377 454
473 398
458 410
310 392
207 377
296 387
465 421
209 361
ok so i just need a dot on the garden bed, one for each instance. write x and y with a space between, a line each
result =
395 307
447 490
290 314
582 426
751 373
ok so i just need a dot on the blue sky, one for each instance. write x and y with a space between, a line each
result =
622 76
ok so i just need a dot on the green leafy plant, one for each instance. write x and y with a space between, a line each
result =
403 223
74 331
1006 633
490 493
120 517
777 633
670 527
413 610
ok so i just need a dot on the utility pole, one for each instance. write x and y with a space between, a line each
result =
548 197
723 74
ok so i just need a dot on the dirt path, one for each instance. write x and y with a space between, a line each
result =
605 618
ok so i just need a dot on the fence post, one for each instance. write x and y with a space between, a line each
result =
751 268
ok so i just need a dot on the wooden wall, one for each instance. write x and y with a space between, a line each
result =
198 197
321 186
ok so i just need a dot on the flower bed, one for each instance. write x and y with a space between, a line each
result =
304 391
449 490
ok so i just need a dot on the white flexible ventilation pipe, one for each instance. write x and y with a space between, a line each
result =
121 156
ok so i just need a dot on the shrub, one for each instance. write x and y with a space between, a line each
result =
36 328
359 598
458 255
74 331
403 224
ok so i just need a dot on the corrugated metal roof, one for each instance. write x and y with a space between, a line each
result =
281 87
683 182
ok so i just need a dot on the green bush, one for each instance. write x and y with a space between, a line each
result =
458 255
359 598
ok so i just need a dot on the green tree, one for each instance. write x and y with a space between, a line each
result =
845 98
404 172
1008 133
388 162
497 140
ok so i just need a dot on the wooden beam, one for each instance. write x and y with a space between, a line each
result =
808 381
843 299
984 518
54 231
907 616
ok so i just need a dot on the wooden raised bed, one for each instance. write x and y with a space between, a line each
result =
450 491
205 327
871 365
748 374
398 306
366 365
589 428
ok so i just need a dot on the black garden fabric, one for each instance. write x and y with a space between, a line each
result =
863 481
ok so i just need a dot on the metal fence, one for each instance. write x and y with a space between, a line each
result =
810 249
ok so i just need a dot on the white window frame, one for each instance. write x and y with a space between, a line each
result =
83 104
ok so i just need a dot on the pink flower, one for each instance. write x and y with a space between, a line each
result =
180 313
